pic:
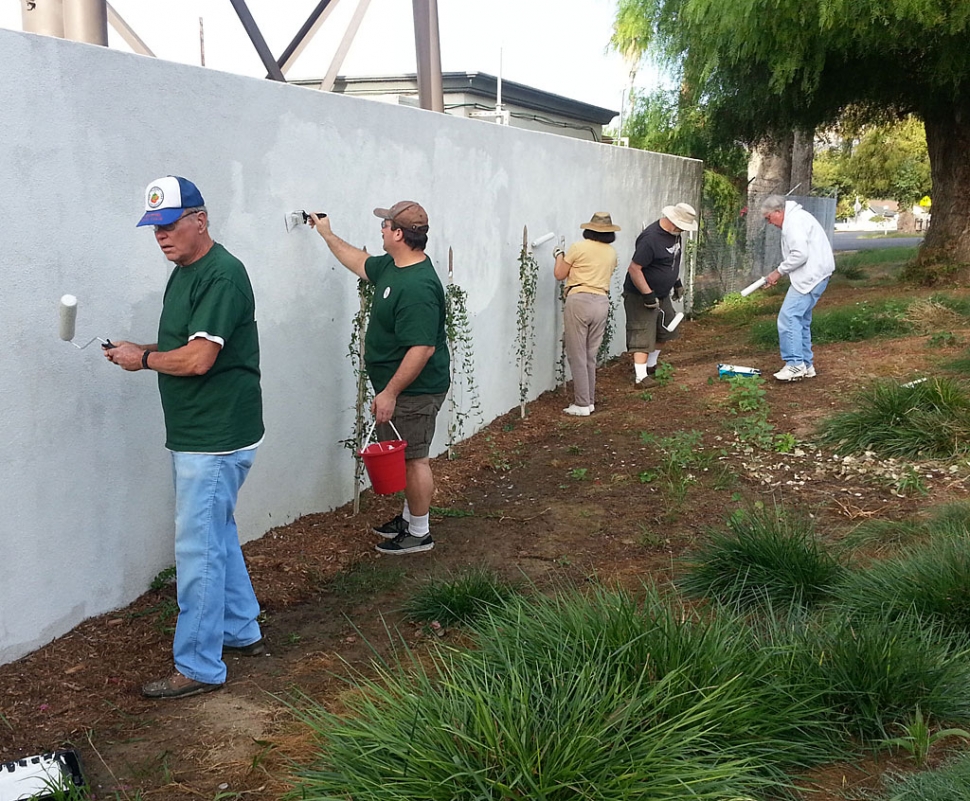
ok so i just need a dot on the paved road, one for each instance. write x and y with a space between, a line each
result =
865 240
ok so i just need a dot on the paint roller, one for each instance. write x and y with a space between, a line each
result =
68 319
755 286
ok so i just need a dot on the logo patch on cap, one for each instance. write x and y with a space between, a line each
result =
155 197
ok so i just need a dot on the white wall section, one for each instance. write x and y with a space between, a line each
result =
86 496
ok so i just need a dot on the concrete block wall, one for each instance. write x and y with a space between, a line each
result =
86 496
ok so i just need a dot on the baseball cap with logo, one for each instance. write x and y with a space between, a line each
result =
406 214
166 198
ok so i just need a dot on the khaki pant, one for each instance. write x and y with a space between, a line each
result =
584 322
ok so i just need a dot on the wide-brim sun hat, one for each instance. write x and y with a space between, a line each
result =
682 215
601 222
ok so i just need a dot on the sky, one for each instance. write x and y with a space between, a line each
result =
558 46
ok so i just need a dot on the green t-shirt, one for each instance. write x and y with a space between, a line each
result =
408 310
223 409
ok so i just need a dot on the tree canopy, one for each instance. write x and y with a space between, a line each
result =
761 66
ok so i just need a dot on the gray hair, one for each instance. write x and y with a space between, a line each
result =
772 203
195 210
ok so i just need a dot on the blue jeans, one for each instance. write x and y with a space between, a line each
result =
795 324
217 604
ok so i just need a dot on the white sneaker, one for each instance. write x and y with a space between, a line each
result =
792 373
810 371
592 408
577 411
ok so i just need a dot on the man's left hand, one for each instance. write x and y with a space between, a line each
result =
677 292
382 407
126 355
773 278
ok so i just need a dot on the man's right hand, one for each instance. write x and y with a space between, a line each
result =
650 301
557 252
321 224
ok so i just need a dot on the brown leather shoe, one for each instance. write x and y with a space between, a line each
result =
177 686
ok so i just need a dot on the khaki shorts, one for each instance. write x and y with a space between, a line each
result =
414 417
644 327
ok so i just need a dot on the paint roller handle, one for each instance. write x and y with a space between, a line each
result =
318 214
108 345
752 287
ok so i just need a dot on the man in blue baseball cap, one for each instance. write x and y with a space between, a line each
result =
207 360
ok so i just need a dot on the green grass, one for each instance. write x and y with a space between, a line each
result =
765 557
601 696
461 599
878 667
930 420
734 310
931 580
951 782
853 323
877 257
363 579
948 520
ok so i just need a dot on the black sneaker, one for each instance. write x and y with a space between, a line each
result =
652 371
392 528
404 543
257 648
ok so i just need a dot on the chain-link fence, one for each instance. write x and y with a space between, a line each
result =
735 246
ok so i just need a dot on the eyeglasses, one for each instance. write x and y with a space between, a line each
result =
386 224
171 226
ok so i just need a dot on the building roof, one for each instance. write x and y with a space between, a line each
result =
479 84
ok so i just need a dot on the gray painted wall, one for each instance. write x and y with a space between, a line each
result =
86 494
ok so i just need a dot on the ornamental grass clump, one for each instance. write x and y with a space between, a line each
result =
931 581
853 323
459 600
877 668
608 697
767 556
925 420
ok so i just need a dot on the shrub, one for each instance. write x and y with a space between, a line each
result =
766 556
930 419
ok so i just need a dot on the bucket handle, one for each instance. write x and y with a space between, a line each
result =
370 432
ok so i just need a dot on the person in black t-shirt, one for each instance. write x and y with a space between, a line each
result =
652 278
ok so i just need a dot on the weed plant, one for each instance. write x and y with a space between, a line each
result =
734 309
853 323
950 782
766 556
928 420
461 599
363 579
879 667
918 737
931 581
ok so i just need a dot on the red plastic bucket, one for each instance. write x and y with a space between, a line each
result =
384 462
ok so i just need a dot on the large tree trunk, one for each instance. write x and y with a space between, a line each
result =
948 143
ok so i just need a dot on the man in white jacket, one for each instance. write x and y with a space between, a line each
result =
808 261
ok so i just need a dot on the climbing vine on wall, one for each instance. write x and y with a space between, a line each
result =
459 331
525 320
561 364
608 333
355 350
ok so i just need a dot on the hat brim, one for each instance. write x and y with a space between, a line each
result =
160 217
600 229
673 214
384 214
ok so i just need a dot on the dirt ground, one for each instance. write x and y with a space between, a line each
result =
550 497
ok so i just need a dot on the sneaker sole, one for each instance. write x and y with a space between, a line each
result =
404 551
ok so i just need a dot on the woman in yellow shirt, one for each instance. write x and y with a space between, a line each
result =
586 268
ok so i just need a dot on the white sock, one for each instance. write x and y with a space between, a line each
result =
652 358
640 370
419 526
406 514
